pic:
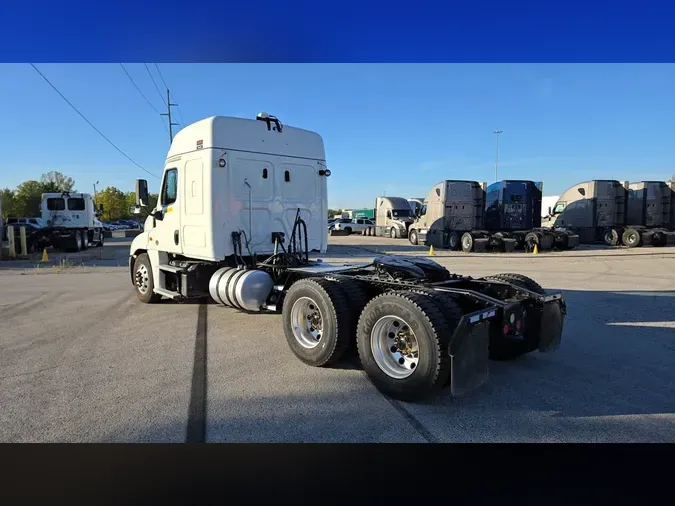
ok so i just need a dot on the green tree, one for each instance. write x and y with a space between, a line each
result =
54 181
27 199
114 203
7 201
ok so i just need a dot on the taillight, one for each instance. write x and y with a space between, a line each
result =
506 329
518 325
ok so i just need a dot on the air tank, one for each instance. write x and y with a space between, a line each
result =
245 289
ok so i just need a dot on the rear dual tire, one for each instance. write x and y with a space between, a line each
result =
321 321
402 340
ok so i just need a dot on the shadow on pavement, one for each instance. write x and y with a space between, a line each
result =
615 358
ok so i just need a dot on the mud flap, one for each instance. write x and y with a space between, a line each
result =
551 327
469 352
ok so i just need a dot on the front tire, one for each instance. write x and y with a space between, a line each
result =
413 238
454 241
317 321
611 237
392 233
144 282
402 339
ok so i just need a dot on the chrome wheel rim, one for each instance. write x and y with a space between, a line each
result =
142 279
466 242
395 347
307 322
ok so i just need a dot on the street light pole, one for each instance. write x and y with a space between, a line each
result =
497 132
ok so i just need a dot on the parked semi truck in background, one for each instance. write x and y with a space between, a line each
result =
616 213
71 221
393 217
244 237
474 217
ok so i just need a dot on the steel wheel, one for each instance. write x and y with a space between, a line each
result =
142 278
395 347
392 233
307 322
466 242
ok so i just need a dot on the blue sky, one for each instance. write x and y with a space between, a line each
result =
393 128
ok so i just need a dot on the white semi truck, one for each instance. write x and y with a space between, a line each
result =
71 221
241 206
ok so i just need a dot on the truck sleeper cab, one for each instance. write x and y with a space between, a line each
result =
232 187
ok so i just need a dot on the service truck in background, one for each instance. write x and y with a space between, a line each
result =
71 221
243 203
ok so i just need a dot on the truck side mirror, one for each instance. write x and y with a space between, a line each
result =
135 210
142 193
549 211
100 209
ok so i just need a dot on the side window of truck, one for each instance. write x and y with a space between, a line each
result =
56 204
423 210
170 187
559 208
76 204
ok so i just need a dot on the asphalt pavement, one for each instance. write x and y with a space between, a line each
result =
81 359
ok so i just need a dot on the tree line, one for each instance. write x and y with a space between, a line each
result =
25 199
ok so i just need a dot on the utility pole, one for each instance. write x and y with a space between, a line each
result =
169 105
497 132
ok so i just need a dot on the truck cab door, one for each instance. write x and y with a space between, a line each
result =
165 236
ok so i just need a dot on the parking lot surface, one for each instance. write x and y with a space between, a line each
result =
82 360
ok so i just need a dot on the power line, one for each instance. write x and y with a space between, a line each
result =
91 124
160 75
153 82
180 112
142 94
138 89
